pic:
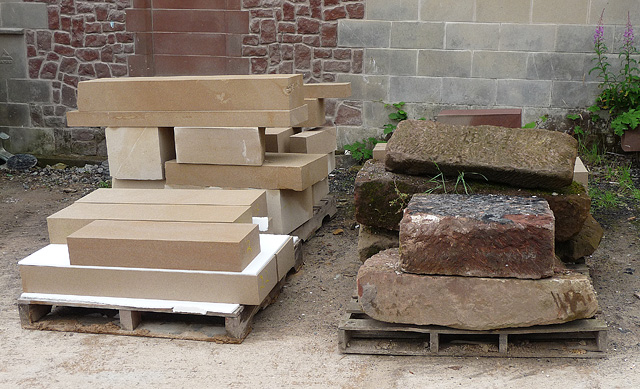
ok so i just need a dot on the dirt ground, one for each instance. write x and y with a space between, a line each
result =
294 341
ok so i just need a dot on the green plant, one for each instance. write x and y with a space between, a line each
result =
363 150
603 199
537 123
620 95
461 180
104 184
397 116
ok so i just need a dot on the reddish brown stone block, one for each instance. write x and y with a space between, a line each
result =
288 11
355 10
335 13
478 236
49 71
35 65
308 26
53 15
329 35
349 114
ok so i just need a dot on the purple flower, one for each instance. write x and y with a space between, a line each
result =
628 32
599 34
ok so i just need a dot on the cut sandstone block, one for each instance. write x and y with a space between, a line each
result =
331 165
320 190
192 93
473 303
165 245
49 271
273 118
289 209
316 112
70 219
139 153
137 184
286 258
220 146
581 174
379 151
254 198
313 142
327 90
477 235
527 158
279 171
277 139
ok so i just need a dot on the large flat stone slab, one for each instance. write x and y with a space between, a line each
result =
388 294
527 158
380 196
477 235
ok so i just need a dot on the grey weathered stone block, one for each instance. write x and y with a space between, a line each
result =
521 93
3 91
374 114
447 11
397 62
417 35
38 141
13 63
565 11
573 94
415 89
444 63
579 39
472 36
517 11
557 66
351 134
23 15
616 11
527 37
392 10
366 87
15 115
469 91
363 33
499 64
28 91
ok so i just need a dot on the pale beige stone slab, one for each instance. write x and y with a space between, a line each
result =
313 142
286 258
326 90
137 184
192 93
271 118
277 139
139 153
581 173
165 245
331 165
70 219
316 113
320 190
379 151
254 198
220 145
279 171
289 209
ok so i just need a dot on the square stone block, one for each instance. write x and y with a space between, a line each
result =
139 153
277 139
289 209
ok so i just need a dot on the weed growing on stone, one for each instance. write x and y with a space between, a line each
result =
363 150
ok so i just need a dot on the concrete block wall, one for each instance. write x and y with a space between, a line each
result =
437 54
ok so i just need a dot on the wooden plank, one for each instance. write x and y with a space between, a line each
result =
271 118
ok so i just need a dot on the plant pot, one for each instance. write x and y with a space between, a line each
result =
630 140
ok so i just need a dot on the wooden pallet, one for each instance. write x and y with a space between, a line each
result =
359 334
214 322
321 212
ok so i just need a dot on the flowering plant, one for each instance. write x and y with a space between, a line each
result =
620 95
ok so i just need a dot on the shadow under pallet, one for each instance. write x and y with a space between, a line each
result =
359 334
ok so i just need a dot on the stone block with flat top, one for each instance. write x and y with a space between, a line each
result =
321 141
139 153
277 139
478 235
473 303
220 145
526 158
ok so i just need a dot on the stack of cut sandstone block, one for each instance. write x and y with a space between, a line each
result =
482 261
183 243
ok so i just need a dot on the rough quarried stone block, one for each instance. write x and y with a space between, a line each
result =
527 158
254 198
139 153
381 195
277 139
316 112
192 93
372 240
220 145
474 303
478 236
165 245
583 244
70 219
313 142
279 171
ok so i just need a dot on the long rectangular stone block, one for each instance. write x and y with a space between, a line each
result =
137 184
527 37
279 171
327 90
444 63
49 271
565 12
165 245
70 219
472 36
220 145
514 11
251 118
469 91
511 118
447 11
536 93
192 93
139 153
417 35
528 159
385 61
477 236
313 142
254 198
363 33
473 303
277 139
415 89
499 64
316 113
397 10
